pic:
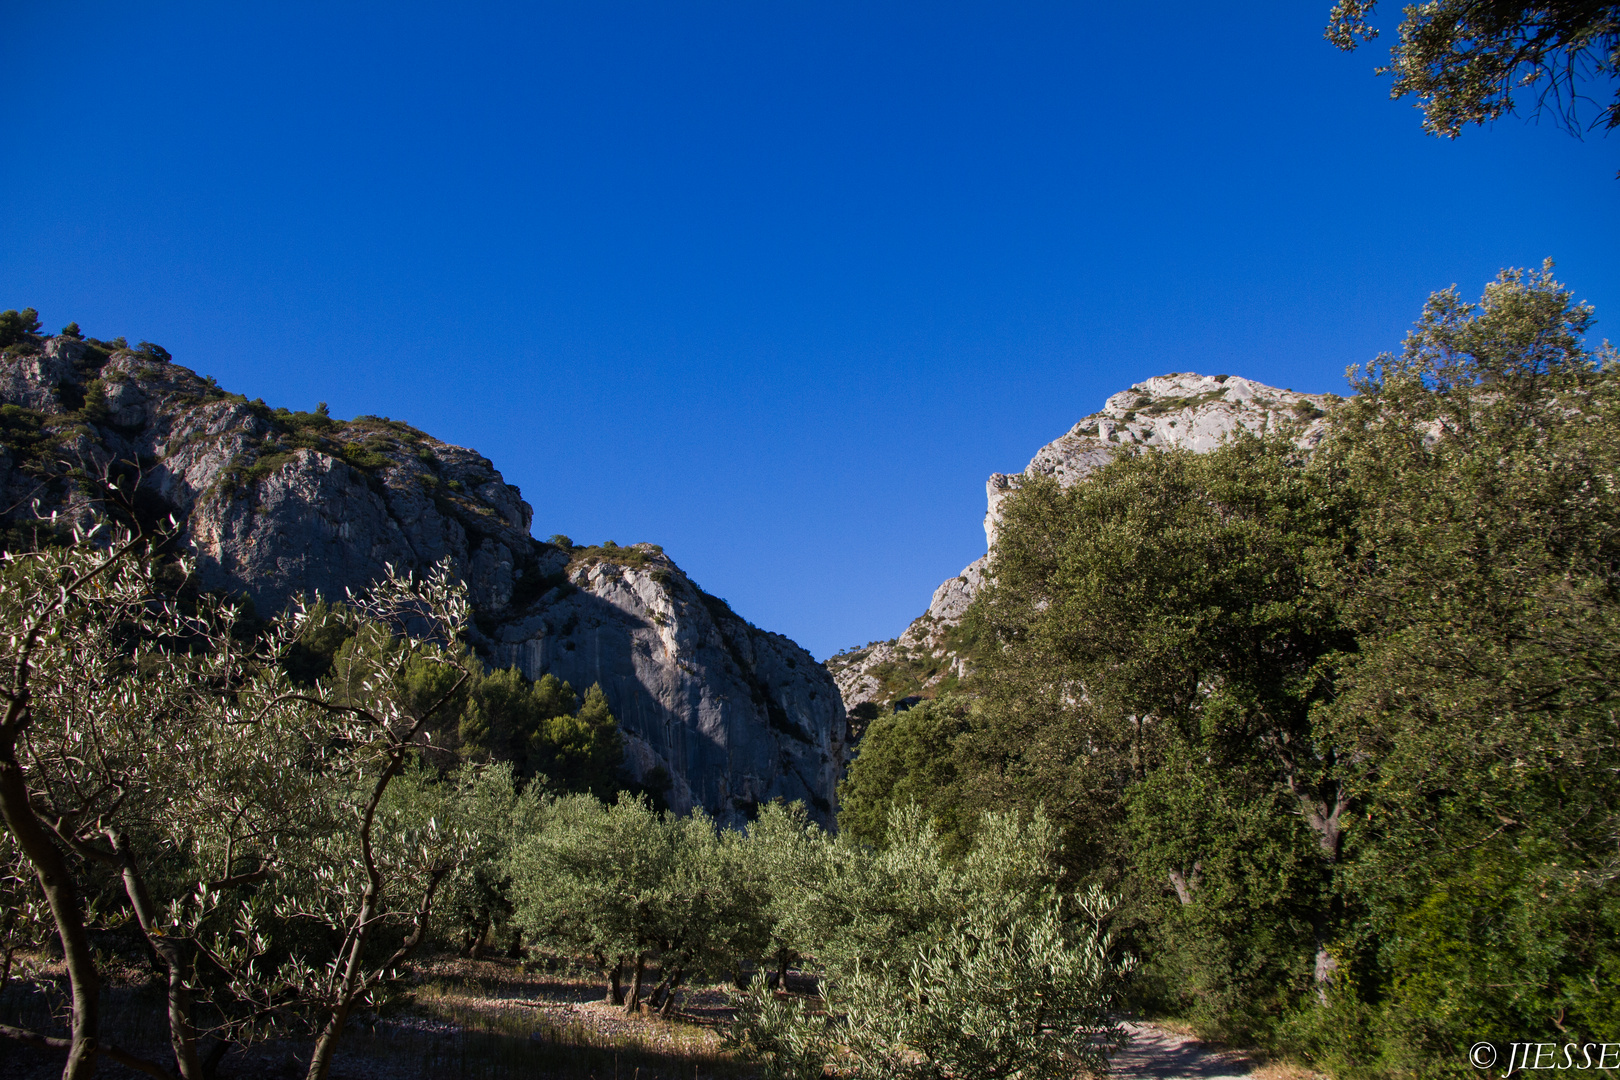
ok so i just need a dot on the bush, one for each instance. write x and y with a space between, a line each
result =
984 967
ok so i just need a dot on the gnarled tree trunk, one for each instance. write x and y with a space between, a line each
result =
56 881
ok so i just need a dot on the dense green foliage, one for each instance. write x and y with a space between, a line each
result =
16 327
906 758
544 729
929 966
932 967
1480 706
1338 726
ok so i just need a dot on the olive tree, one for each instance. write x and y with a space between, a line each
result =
109 694
981 967
786 860
626 886
145 745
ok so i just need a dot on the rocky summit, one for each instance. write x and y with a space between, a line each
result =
274 504
1193 412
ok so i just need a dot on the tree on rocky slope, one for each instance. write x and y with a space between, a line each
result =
903 758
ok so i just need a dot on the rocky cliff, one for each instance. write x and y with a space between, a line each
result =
274 503
1194 412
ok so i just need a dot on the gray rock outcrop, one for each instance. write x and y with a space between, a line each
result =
274 504
1193 412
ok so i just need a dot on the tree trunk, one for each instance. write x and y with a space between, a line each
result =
6 931
480 942
1324 820
1186 885
672 982
182 1035
1326 965
657 995
633 998
355 981
216 1054
56 881
320 1062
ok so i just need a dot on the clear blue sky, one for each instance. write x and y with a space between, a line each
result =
775 285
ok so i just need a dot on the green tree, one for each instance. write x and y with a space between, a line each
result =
905 757
980 966
18 326
787 861
583 751
499 811
91 660
502 713
1231 944
221 802
1465 60
545 730
1165 611
1479 705
629 886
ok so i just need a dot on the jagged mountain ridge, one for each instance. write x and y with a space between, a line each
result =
275 504
1187 410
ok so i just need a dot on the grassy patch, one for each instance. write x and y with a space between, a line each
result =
1174 404
638 556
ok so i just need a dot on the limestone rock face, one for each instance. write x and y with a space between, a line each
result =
274 505
1193 412
736 715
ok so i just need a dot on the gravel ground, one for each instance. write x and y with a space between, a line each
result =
1163 1054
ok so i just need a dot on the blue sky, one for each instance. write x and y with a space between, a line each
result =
773 285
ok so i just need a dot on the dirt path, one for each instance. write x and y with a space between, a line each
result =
1155 1052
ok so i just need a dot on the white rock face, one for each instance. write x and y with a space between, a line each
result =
273 508
1192 412
736 715
953 596
1189 411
